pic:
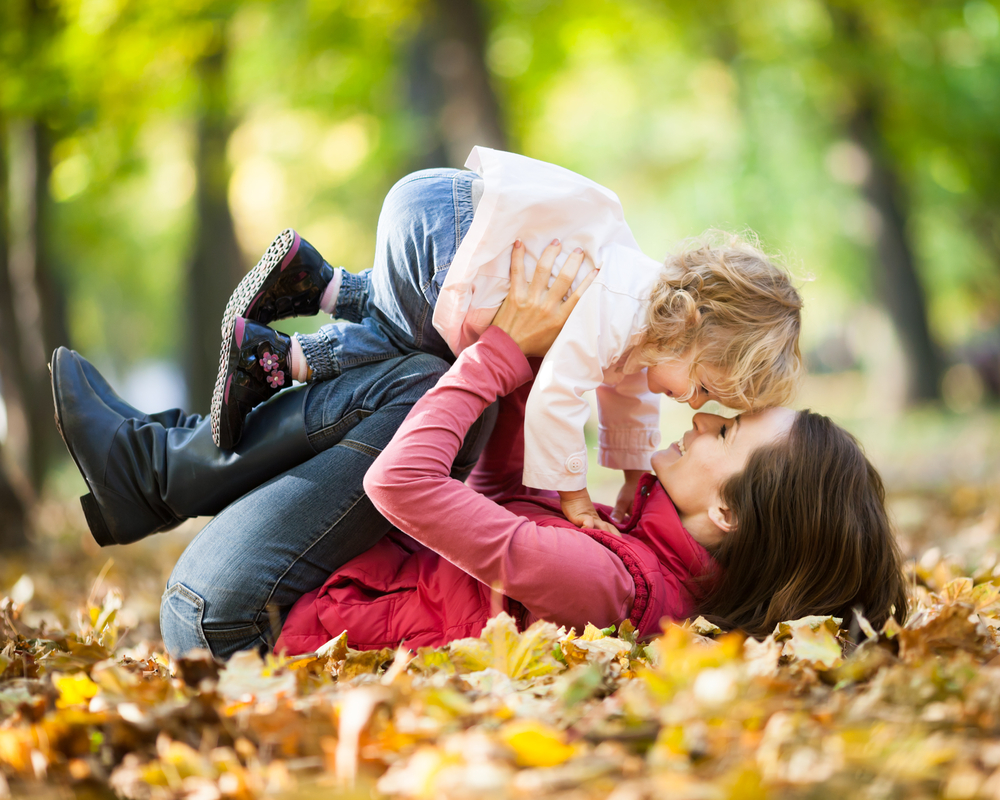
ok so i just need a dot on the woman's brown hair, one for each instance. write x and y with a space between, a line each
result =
812 536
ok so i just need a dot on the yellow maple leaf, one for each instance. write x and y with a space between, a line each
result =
815 646
517 655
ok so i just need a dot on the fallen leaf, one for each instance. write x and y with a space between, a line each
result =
535 744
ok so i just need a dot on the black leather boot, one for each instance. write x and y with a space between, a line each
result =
255 366
144 477
171 418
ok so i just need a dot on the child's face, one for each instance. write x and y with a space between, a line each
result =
673 378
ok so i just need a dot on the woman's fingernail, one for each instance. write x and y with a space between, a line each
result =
517 243
555 241
578 250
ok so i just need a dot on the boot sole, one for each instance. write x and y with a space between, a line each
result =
91 508
226 439
254 282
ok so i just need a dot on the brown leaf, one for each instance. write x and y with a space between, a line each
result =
942 631
196 666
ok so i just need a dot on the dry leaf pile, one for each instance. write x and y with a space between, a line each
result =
811 711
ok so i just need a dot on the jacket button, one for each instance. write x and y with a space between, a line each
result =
576 463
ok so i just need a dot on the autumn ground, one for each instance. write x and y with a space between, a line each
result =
92 708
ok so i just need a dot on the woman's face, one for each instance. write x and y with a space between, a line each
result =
693 470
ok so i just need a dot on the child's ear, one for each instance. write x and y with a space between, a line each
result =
722 517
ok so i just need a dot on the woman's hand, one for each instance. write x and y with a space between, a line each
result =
532 315
579 509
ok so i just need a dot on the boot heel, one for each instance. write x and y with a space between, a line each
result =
95 520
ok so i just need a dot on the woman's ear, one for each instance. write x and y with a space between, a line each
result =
722 517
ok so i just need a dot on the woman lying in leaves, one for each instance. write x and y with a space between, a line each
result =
749 521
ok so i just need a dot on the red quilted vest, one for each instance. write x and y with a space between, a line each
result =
400 591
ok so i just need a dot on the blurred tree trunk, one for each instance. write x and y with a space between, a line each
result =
897 280
39 304
13 526
51 292
34 307
216 264
450 86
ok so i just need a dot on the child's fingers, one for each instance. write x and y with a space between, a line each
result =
596 523
592 521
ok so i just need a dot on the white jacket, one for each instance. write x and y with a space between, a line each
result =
537 202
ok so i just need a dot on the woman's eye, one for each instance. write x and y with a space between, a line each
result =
722 431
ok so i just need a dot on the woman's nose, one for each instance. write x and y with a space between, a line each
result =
706 423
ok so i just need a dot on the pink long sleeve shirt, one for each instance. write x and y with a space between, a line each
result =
462 552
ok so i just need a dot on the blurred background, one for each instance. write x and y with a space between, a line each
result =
150 151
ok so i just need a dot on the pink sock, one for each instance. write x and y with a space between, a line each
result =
328 302
299 365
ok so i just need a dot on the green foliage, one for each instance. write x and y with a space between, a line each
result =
734 118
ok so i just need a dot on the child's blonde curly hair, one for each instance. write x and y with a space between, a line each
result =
726 301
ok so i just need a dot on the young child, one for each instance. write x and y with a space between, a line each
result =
715 321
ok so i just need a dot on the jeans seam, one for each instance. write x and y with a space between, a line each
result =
338 367
355 361
458 213
198 602
341 426
418 340
360 360
361 447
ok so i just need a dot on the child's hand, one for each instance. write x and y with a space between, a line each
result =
623 506
579 509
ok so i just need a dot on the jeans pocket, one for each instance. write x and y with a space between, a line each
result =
181 612
229 640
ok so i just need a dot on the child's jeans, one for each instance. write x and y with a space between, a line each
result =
387 310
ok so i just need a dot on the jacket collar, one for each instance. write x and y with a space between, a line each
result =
656 523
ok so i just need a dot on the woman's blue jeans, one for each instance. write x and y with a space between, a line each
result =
235 583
